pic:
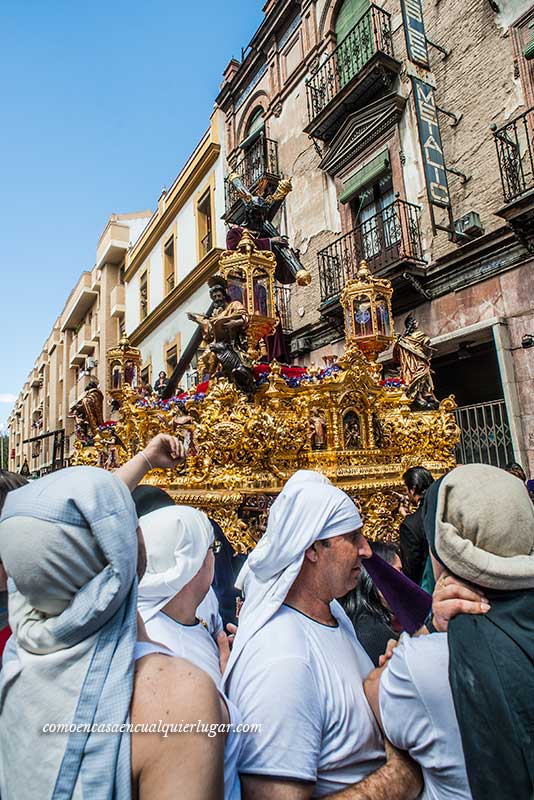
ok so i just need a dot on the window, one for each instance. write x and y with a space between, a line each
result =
376 216
169 265
204 224
146 375
172 354
143 295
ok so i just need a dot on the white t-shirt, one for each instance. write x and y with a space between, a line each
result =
194 643
418 714
208 610
302 681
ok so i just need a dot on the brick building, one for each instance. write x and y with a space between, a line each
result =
407 133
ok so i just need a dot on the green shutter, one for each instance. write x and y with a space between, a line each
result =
528 52
366 175
348 15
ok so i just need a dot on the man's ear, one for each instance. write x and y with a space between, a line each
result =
311 553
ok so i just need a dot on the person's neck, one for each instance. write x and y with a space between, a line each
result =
311 602
183 606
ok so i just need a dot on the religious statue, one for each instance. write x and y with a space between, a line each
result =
223 334
259 211
88 412
351 431
414 353
318 429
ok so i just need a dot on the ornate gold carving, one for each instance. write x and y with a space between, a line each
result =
241 451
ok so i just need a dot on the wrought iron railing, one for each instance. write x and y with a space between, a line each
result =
514 143
260 159
283 306
371 34
485 434
389 237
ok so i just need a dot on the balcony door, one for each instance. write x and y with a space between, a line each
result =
376 221
354 37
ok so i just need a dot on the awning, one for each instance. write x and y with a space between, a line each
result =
366 175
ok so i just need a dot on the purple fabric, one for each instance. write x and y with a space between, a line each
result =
407 600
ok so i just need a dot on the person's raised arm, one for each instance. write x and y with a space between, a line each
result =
163 452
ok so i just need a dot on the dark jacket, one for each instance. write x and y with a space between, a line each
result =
373 633
413 546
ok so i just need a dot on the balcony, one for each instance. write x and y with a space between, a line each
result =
81 345
80 301
515 153
95 327
73 396
113 243
117 301
390 242
356 71
258 168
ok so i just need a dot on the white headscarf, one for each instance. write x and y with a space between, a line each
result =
308 508
177 540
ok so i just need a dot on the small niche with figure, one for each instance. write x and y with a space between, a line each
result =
352 432
318 429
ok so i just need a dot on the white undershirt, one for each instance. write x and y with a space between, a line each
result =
192 642
418 714
208 611
302 681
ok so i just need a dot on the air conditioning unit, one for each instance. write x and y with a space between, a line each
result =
90 363
469 226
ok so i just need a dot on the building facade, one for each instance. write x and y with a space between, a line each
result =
168 267
41 428
406 130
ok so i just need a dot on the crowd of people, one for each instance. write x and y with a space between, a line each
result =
126 676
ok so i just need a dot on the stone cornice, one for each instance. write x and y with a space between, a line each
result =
174 200
180 293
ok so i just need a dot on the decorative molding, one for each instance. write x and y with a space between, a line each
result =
180 293
175 199
361 129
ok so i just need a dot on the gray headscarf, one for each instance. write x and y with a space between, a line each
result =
68 542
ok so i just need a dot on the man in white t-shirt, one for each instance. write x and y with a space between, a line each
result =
296 666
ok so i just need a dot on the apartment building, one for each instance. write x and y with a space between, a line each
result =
41 429
168 267
406 128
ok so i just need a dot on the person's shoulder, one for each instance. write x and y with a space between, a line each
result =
283 639
426 658
165 684
413 522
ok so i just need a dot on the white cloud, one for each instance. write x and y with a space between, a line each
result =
7 398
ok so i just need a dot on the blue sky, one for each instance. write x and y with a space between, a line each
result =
101 104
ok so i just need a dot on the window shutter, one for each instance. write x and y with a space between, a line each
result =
365 176
349 14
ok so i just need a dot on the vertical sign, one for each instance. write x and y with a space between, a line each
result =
431 147
414 31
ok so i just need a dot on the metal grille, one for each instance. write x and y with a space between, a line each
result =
485 434
391 236
260 160
283 306
371 33
514 143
